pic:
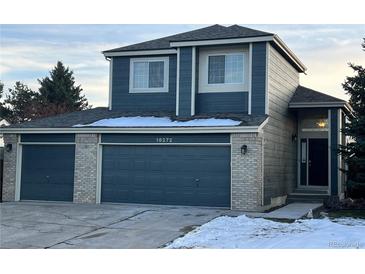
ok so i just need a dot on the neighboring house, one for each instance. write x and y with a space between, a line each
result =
3 123
210 117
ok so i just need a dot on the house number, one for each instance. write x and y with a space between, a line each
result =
163 140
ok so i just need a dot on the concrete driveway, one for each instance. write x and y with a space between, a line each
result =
67 225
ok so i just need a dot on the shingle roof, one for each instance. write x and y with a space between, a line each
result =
307 95
207 33
68 120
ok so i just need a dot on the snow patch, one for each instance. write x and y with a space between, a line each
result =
245 232
151 121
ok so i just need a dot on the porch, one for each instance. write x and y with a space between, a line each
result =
320 119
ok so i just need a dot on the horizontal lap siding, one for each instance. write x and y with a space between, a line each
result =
221 102
48 138
175 138
258 85
280 153
185 82
139 102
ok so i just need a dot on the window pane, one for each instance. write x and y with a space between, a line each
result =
140 75
156 77
216 69
234 68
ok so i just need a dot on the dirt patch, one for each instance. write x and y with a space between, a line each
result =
188 228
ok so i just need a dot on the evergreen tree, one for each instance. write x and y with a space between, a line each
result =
354 151
59 94
20 104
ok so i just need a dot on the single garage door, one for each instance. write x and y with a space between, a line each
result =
173 175
47 172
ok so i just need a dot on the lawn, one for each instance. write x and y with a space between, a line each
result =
246 232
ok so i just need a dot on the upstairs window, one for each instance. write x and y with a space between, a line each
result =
148 75
223 70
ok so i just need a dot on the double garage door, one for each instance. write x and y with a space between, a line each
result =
172 174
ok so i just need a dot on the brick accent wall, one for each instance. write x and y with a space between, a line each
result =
85 168
247 171
9 172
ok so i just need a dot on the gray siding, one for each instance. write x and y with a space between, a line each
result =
138 102
280 153
185 82
48 138
174 138
233 102
334 151
258 78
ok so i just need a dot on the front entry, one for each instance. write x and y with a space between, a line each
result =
314 162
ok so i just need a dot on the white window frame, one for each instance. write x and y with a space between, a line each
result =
205 87
165 87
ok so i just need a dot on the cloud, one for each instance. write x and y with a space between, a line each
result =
29 52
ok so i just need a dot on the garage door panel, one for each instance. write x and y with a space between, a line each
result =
176 175
47 172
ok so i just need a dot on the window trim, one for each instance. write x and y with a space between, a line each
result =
165 87
205 87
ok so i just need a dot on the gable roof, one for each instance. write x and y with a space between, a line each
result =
207 33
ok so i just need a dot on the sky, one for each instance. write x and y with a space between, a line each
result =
29 52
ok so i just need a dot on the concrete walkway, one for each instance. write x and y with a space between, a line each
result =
292 211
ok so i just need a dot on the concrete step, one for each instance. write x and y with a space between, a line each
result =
306 198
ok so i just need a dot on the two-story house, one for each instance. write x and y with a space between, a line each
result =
210 117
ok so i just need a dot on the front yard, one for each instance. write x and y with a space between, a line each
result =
246 232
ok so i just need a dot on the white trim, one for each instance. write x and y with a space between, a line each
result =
110 82
221 41
223 129
205 87
249 78
18 170
329 153
177 81
193 80
316 105
165 144
267 78
289 53
263 124
314 129
230 162
339 158
99 156
165 87
140 52
46 143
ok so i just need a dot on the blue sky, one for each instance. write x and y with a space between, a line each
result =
28 52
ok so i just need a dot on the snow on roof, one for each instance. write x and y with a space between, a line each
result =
152 121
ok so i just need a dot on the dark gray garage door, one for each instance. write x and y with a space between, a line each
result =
47 172
174 175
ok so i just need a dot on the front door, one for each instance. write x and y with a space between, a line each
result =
314 162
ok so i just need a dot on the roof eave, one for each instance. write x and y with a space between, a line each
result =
229 129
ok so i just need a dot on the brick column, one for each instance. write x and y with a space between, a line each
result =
247 172
9 172
85 168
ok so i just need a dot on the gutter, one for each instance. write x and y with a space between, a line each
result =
232 129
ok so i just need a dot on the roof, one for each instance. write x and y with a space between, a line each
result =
306 97
207 33
85 117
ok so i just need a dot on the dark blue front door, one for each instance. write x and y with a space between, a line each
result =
47 172
174 175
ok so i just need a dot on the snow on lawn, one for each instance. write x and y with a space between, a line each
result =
245 232
151 121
